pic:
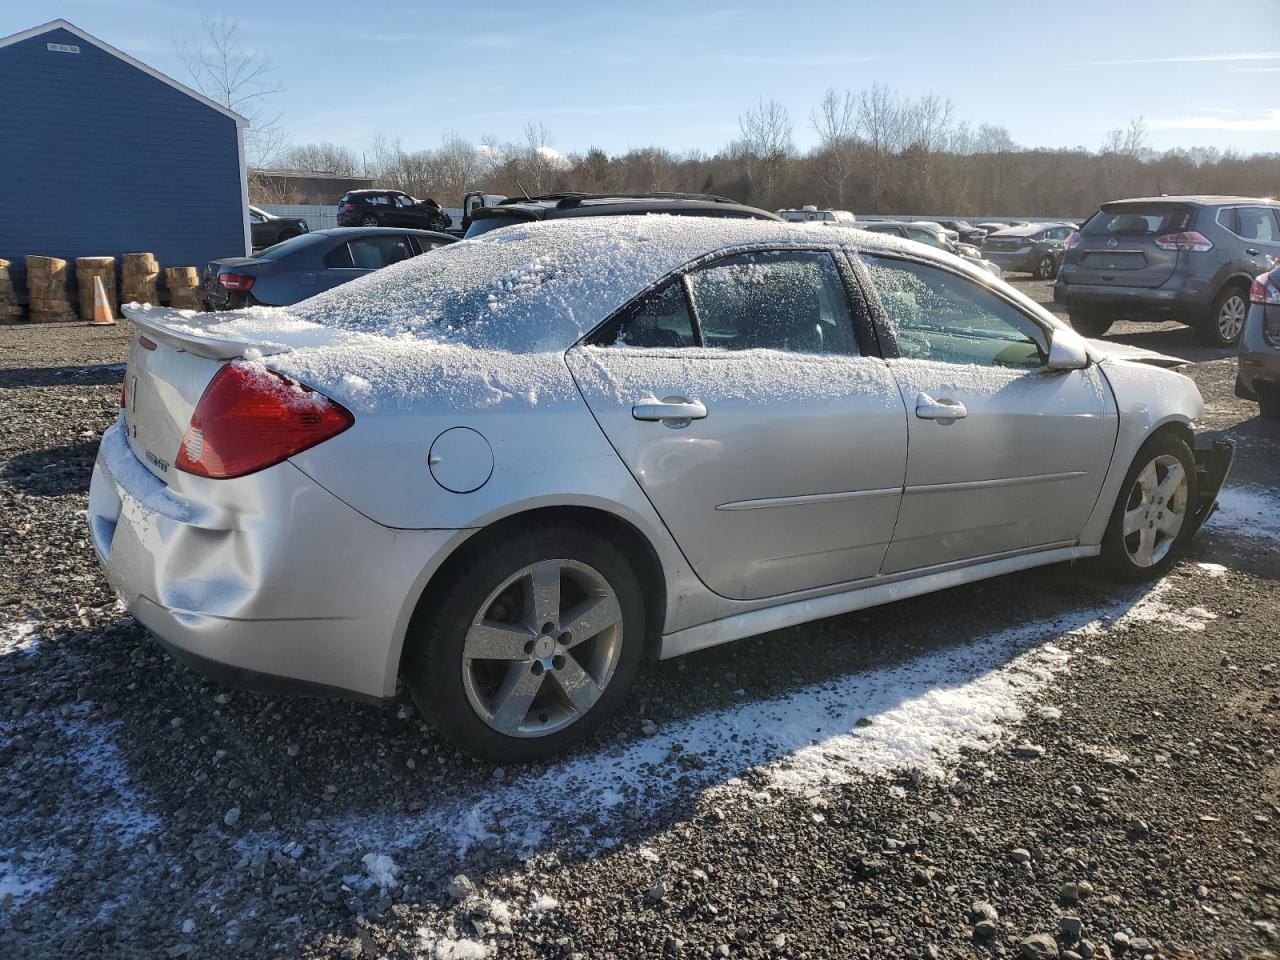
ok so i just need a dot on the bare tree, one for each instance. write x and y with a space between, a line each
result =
766 130
836 122
880 119
322 157
227 71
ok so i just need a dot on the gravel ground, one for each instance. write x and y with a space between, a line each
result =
1042 765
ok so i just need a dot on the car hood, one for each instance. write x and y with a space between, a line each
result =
1110 350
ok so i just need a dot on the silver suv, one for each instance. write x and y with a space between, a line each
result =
1188 259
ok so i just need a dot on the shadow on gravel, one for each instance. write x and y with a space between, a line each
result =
53 472
97 375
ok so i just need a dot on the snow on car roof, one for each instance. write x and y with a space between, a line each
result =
534 287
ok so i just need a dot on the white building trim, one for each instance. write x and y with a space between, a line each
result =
150 71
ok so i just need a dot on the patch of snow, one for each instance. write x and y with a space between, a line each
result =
20 879
923 713
1247 512
382 869
23 637
543 904
451 948
1213 569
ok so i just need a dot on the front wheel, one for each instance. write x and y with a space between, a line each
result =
1152 516
1225 322
1088 325
530 645
1046 268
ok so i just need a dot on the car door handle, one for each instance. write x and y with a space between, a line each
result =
1252 251
928 408
670 409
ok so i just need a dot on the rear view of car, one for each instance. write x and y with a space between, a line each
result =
1187 259
1259 375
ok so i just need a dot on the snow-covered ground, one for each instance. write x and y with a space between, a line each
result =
1247 512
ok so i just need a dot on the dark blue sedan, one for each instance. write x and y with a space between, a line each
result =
312 263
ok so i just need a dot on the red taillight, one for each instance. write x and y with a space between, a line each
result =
1073 240
348 207
236 281
250 418
1264 290
1187 240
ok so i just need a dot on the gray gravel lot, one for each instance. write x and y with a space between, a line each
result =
824 791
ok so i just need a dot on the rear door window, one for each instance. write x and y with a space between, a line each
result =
427 244
374 253
792 301
1150 220
339 258
661 319
1257 223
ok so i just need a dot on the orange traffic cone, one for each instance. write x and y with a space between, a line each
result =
101 308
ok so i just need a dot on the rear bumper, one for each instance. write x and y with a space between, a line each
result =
1023 262
1184 302
266 581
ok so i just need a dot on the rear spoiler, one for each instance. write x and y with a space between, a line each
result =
182 330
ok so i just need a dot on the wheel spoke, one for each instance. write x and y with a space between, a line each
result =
1173 479
496 641
515 696
590 617
1134 520
1147 479
577 685
1145 554
543 598
1170 523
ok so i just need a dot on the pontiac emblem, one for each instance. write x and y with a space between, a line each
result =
1113 242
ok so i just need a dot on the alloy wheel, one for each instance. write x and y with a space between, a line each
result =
1231 317
542 648
1155 510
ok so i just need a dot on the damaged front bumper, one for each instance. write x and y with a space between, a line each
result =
1213 463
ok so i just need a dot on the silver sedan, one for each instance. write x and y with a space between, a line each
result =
509 472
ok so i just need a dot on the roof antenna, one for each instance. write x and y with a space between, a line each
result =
522 189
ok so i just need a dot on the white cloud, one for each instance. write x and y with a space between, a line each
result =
1192 58
552 156
1265 121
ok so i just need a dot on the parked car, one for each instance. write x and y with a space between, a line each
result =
1259 374
1036 249
268 229
952 235
811 214
966 231
390 208
1189 259
510 471
934 236
310 264
560 205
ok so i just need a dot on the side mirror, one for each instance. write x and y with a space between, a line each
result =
1067 350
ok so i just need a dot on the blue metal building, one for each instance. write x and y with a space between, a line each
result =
102 155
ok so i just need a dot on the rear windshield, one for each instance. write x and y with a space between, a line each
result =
285 247
1139 220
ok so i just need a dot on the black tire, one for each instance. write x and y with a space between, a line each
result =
1088 325
1269 401
368 220
1116 554
433 666
1046 268
1215 329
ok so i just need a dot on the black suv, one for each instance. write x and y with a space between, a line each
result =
1189 259
390 208
556 205
267 229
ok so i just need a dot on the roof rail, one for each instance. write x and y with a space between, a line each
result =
569 200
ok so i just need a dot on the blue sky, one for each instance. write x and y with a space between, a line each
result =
678 74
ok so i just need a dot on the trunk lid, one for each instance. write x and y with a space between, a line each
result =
1118 245
170 364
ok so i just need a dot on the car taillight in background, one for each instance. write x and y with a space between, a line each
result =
1186 240
250 418
1073 240
1264 290
237 282
348 207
